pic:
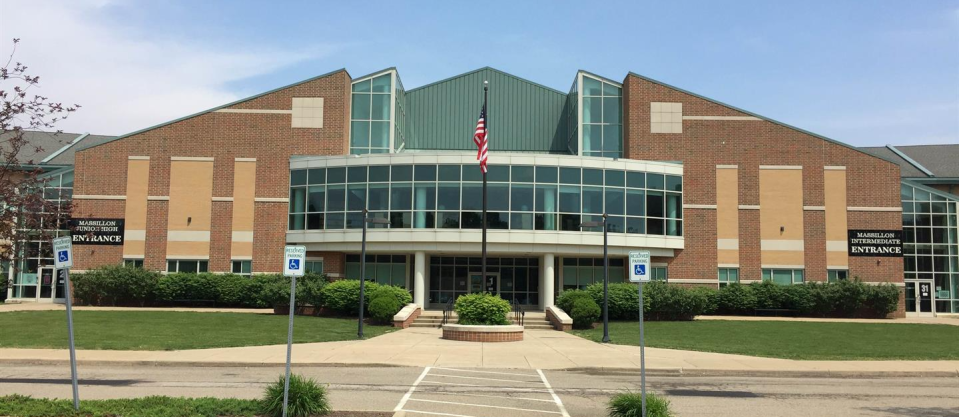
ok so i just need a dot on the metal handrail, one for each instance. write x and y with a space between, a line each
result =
448 311
519 314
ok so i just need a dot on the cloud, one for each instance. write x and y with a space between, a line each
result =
124 79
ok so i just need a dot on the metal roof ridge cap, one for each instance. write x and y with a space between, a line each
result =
910 160
551 89
202 112
771 120
373 74
595 75
64 148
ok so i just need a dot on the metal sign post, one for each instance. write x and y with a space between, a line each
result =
294 260
63 259
639 271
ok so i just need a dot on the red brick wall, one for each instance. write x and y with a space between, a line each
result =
269 138
871 182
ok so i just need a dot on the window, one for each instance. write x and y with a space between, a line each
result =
189 266
520 198
602 126
382 269
659 274
834 275
307 112
578 273
136 263
666 117
370 124
728 276
783 276
315 266
242 267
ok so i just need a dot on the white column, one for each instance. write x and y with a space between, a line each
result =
546 280
419 279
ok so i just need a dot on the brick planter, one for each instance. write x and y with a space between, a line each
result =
469 333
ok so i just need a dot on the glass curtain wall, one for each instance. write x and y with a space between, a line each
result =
520 197
370 114
518 277
930 251
34 253
601 124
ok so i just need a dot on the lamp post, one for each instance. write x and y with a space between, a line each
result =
605 273
359 332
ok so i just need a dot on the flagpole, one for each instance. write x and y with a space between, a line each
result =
486 124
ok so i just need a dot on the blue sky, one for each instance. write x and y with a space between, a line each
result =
862 72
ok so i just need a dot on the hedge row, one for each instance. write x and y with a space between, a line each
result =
672 302
130 286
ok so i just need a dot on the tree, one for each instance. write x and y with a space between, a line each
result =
22 206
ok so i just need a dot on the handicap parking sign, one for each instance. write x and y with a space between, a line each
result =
63 247
293 261
639 265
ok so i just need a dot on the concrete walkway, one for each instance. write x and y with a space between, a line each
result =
541 349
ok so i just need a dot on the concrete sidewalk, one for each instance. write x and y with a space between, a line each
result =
541 349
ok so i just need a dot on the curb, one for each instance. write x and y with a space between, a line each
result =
678 372
665 372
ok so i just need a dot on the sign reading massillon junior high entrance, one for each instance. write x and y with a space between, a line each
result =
97 231
875 243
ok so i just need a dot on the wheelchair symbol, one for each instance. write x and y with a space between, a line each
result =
294 264
639 269
63 256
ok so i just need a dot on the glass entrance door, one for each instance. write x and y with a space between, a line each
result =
919 299
46 284
488 285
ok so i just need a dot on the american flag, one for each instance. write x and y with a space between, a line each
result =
481 139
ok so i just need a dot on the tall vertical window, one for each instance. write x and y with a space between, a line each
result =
601 125
370 114
930 243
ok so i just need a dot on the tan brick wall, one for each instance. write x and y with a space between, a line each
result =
871 182
269 138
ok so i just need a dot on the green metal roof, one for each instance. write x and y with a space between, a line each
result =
523 116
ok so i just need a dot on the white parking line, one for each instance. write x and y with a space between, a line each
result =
476 385
485 406
436 414
484 379
482 372
493 396
553 393
412 388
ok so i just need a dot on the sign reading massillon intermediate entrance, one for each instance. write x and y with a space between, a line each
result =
875 243
96 231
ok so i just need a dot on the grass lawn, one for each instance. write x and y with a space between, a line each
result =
793 340
168 330
20 406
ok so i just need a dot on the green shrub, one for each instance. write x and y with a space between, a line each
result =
306 398
115 285
484 309
735 299
769 294
343 296
584 313
401 295
662 301
630 404
623 299
383 306
567 298
881 300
